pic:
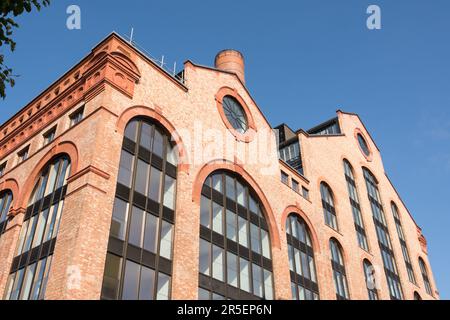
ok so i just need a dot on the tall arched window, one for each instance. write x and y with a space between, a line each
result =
417 296
384 240
31 265
5 204
139 259
301 260
356 207
369 273
235 255
426 279
401 237
328 206
337 264
339 276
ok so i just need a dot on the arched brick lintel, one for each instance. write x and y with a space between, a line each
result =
215 165
13 186
66 147
155 114
299 212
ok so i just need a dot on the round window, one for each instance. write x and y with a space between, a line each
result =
235 114
363 144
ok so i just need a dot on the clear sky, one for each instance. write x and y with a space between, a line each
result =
304 60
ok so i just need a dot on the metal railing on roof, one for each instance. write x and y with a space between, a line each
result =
169 69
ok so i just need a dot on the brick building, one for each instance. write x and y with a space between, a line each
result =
125 181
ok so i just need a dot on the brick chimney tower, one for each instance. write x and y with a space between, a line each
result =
232 61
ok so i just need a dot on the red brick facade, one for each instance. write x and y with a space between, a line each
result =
115 83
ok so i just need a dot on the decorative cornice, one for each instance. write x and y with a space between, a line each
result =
111 62
88 169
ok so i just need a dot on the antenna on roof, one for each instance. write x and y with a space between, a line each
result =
131 36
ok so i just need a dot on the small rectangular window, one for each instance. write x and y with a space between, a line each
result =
2 168
295 186
23 155
49 136
76 117
284 178
305 193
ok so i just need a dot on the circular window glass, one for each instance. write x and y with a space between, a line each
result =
235 114
363 145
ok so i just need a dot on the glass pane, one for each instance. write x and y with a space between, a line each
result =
217 182
147 284
255 242
26 287
240 194
113 266
203 294
231 225
172 154
232 269
268 287
166 240
136 226
151 233
265 244
146 136
130 130
231 189
243 234
37 240
163 287
158 143
244 275
154 190
141 177
119 219
125 168
205 208
205 254
218 263
217 218
169 192
130 281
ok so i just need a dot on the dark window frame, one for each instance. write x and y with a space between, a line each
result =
383 235
361 235
339 273
329 210
77 116
123 249
403 245
49 135
294 243
426 279
369 274
23 154
212 238
42 205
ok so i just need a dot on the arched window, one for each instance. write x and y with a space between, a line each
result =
401 237
337 263
301 260
417 296
426 279
384 240
235 255
5 204
328 206
356 208
31 265
139 259
369 273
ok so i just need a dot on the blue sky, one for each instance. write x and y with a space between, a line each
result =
304 60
